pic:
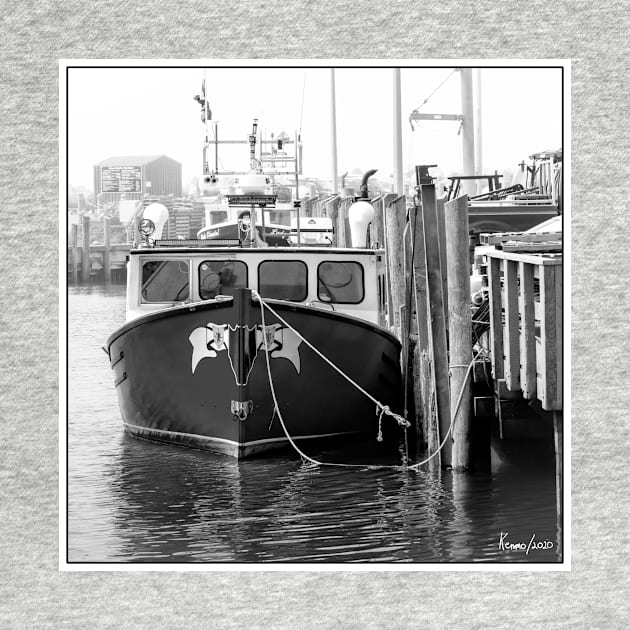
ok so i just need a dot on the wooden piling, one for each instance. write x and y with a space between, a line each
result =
74 264
343 225
388 199
377 228
380 205
528 333
551 336
496 317
85 249
395 227
439 206
460 327
512 365
332 211
424 390
107 249
437 319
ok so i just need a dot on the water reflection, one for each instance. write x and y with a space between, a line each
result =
176 505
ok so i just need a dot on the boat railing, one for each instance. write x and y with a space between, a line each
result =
197 242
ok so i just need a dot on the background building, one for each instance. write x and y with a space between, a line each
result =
136 176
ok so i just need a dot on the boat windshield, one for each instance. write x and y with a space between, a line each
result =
165 281
283 280
221 277
340 282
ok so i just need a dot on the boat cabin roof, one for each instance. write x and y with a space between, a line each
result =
235 250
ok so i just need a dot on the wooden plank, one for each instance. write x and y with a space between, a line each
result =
530 247
548 339
549 259
496 317
526 237
527 335
512 365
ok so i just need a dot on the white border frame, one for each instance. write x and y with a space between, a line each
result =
324 63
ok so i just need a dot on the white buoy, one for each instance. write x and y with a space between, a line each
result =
159 215
360 215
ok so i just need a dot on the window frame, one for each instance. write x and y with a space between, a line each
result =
144 261
342 262
221 260
296 260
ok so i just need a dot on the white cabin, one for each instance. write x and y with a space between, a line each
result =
349 281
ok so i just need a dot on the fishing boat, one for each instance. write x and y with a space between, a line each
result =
236 345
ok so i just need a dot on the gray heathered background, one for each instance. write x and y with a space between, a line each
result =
33 594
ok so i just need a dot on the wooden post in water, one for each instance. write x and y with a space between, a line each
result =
395 221
438 323
107 249
439 206
85 249
74 238
460 327
424 391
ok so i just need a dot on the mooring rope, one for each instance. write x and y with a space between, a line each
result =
380 408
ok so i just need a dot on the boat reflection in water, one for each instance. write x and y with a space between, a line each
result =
178 505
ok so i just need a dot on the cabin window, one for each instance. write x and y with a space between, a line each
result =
340 282
165 281
283 280
218 216
221 277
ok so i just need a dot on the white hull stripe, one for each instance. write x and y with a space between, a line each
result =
232 442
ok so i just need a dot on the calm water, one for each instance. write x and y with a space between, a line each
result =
131 500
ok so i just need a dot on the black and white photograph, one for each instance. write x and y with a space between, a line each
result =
313 315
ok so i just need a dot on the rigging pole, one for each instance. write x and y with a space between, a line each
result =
468 130
398 161
333 131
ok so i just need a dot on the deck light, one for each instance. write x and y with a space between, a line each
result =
146 227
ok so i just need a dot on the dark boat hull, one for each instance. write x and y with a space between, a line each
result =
196 375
